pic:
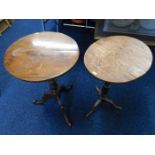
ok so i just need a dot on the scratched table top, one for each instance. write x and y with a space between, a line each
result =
118 59
41 56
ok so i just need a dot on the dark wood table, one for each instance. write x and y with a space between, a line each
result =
116 59
40 57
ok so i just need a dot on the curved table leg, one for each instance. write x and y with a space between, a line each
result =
65 88
97 103
107 100
64 113
44 98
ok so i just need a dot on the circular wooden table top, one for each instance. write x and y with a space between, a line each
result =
118 59
41 56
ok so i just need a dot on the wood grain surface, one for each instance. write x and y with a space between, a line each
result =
118 59
41 56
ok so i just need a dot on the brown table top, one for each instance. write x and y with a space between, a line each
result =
118 59
41 56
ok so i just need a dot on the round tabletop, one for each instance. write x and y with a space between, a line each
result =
118 59
41 56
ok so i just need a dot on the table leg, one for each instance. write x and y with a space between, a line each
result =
97 103
63 111
107 100
55 92
44 98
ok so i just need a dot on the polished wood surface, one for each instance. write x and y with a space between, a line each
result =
41 56
118 59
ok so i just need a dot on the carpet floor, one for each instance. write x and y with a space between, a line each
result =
19 116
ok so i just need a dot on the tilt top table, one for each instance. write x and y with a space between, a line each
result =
43 57
116 59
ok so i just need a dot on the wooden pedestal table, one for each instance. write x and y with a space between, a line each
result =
116 59
43 57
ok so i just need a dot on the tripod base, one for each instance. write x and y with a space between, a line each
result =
102 93
55 92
